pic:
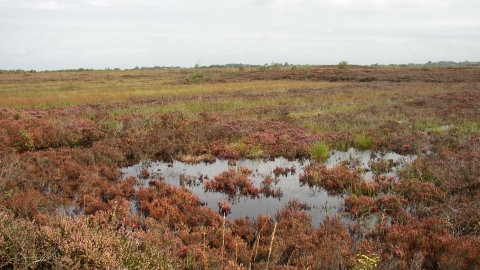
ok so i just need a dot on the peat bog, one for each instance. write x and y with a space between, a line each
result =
277 180
99 142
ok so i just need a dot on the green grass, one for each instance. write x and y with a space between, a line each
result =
320 150
45 91
255 152
470 127
315 127
363 142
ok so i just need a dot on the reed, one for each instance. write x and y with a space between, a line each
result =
271 244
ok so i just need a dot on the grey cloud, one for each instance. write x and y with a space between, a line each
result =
106 33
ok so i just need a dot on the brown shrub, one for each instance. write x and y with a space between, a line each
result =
335 181
360 206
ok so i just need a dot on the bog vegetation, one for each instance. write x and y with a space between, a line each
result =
65 136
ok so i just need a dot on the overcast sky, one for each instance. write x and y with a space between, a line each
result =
98 34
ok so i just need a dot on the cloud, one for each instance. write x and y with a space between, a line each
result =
33 4
20 52
126 33
61 4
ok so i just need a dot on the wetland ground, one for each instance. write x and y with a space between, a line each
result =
74 140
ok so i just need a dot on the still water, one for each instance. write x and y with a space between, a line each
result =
321 204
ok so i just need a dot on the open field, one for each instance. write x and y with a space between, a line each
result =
66 135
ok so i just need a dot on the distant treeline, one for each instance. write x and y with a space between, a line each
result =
231 65
16 71
156 67
21 71
440 63
429 63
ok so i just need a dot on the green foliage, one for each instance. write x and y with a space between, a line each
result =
363 142
241 68
365 262
263 68
343 65
430 67
196 77
342 145
276 66
255 152
114 127
8 193
307 73
201 76
17 71
24 141
320 150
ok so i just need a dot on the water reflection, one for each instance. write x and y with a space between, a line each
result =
284 172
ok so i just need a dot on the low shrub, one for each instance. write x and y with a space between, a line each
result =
343 65
99 241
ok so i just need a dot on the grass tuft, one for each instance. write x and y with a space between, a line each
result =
320 150
363 142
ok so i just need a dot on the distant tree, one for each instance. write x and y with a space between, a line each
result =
343 65
241 68
264 68
276 66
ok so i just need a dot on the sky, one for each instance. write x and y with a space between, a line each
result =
99 34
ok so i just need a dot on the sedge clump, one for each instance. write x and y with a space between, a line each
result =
320 150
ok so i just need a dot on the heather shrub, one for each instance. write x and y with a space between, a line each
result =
461 253
67 159
335 181
420 193
428 236
360 206
28 203
332 246
175 206
101 241
21 244
233 183
293 242
392 205
31 134
98 241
